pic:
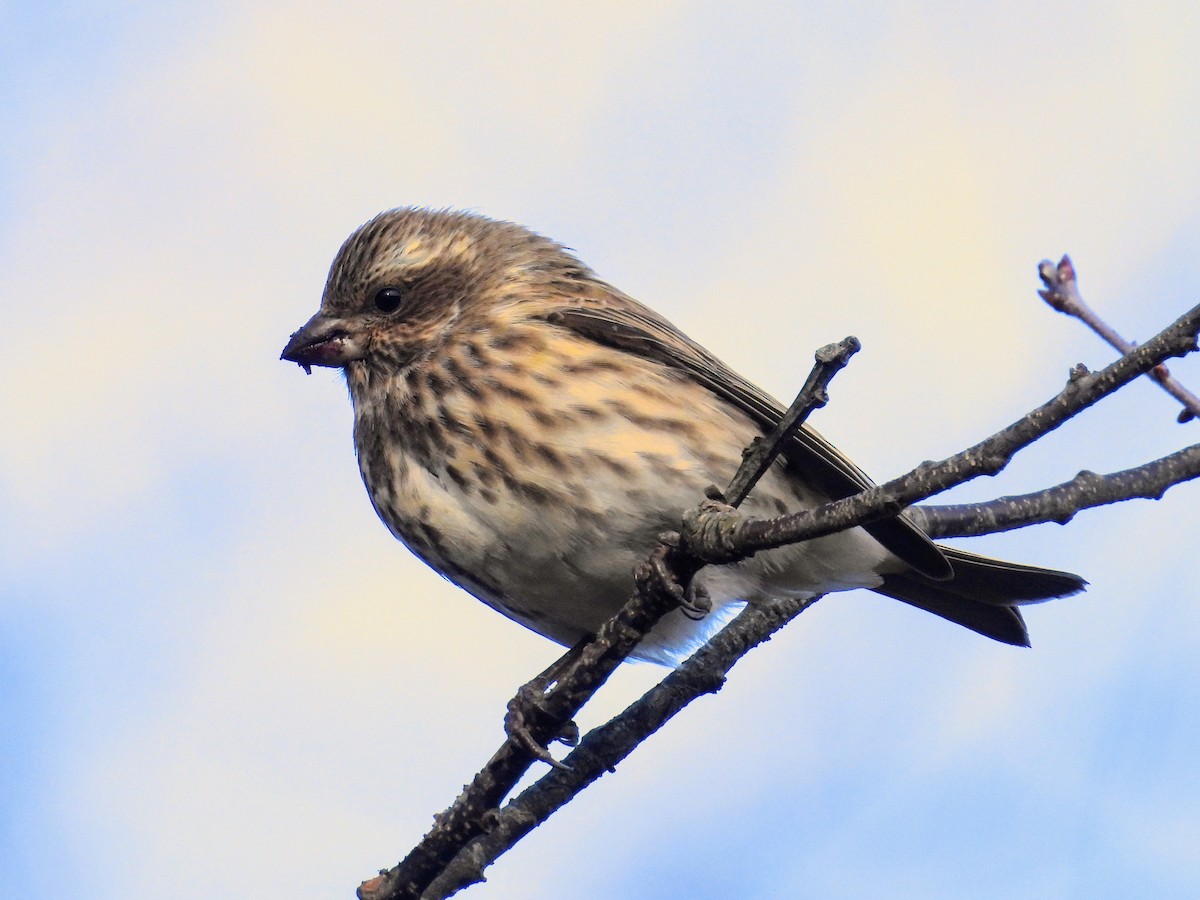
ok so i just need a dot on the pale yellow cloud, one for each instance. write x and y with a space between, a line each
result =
152 308
397 95
917 205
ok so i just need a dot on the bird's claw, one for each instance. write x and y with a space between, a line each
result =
697 602
656 574
521 709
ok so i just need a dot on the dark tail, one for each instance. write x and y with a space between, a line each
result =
984 593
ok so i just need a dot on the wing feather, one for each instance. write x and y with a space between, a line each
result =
609 317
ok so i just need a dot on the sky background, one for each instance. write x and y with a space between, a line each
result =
221 677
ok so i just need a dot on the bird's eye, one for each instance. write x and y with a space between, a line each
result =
387 299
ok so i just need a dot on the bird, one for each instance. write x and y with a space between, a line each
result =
529 431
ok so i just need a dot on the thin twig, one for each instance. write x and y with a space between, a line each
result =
607 745
757 458
466 817
748 535
1062 294
1060 503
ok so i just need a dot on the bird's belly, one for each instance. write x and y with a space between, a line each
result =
545 518
557 554
556 559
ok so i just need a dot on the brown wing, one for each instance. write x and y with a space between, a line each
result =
609 317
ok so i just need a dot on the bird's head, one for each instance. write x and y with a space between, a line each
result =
410 279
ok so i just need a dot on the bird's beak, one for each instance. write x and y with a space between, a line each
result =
323 341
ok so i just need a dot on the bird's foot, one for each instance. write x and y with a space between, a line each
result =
657 575
523 710
697 603
529 705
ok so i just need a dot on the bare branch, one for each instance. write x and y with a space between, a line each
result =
757 458
1060 503
466 817
747 535
604 747
1062 294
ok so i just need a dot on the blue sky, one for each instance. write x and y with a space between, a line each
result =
219 673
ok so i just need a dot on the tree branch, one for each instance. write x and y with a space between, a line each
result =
1060 503
604 747
757 458
721 536
1062 294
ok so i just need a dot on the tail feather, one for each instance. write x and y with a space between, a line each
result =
984 593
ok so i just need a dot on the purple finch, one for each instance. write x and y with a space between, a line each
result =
528 431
